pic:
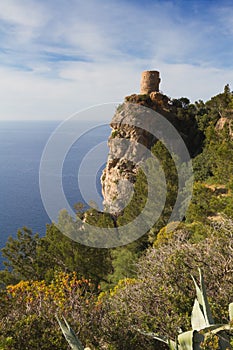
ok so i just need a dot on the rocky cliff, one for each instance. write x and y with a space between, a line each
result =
129 140
129 132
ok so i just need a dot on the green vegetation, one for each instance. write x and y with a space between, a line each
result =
204 331
114 133
106 295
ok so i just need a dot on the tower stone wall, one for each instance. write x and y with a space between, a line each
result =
149 82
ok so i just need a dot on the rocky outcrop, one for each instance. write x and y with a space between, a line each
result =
131 139
129 143
225 123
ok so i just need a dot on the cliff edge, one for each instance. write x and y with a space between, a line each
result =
131 137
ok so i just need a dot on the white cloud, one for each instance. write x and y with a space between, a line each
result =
25 13
60 57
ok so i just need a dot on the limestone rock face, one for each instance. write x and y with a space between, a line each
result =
129 145
130 141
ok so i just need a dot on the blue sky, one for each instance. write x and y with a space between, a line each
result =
57 57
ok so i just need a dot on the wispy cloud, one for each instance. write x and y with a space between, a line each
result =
26 13
58 57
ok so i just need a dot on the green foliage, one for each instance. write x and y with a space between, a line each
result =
32 332
200 208
216 158
62 253
160 299
28 309
124 261
138 201
30 257
170 173
202 166
21 255
218 106
204 334
114 134
214 166
6 343
187 123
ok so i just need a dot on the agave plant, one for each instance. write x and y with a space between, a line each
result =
202 325
70 336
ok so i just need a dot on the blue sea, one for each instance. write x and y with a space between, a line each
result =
21 147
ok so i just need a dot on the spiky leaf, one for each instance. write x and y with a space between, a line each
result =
197 318
69 334
171 343
231 311
202 299
185 340
206 306
220 328
190 340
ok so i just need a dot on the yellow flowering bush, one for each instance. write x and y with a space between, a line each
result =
29 308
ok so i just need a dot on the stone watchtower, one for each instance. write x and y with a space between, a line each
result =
149 82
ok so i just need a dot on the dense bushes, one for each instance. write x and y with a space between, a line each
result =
161 298
29 308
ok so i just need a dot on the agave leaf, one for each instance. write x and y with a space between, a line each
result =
214 327
172 344
206 306
202 300
197 318
231 311
162 339
220 328
190 340
69 334
185 340
154 336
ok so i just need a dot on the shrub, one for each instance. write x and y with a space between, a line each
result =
161 299
27 315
